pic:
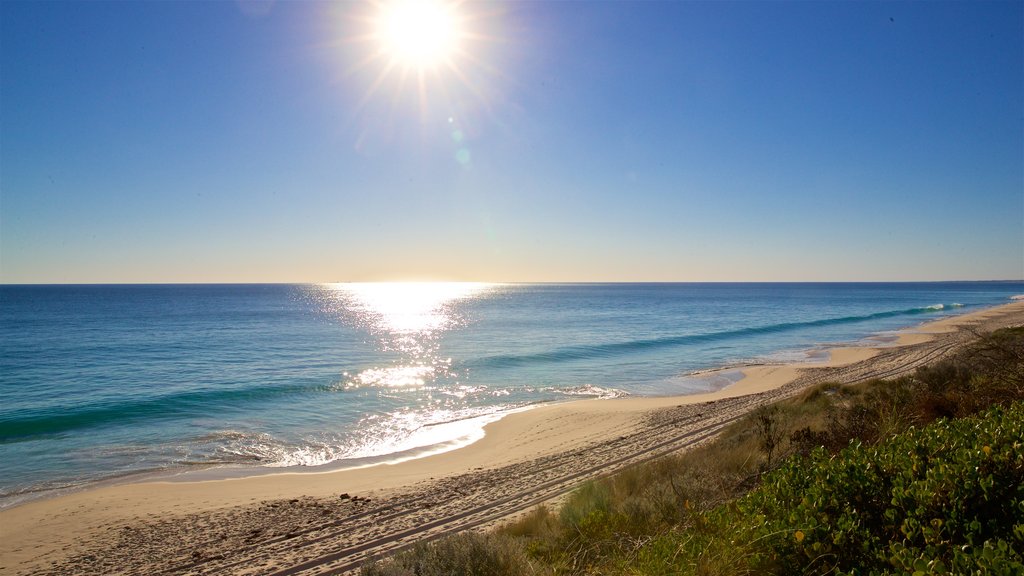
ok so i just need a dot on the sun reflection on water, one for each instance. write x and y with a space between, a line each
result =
406 318
394 377
407 307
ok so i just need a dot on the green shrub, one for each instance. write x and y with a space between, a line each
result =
949 497
469 554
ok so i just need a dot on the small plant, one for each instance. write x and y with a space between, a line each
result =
769 429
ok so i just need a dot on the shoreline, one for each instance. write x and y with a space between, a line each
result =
711 380
56 533
731 375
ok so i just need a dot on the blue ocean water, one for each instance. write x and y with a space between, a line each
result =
100 382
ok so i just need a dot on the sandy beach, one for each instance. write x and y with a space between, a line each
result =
330 522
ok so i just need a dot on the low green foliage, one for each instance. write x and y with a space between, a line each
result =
946 498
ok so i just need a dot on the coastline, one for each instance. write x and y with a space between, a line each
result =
56 533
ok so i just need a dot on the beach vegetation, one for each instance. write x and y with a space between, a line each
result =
922 474
469 553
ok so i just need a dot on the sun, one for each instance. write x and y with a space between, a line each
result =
436 57
418 34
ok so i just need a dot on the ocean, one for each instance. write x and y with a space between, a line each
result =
106 382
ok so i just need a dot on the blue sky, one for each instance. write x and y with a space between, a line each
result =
570 141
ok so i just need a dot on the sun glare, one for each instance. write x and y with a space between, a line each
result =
406 307
418 33
434 54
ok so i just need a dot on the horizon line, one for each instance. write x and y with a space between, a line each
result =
520 282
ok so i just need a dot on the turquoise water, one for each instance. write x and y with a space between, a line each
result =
101 382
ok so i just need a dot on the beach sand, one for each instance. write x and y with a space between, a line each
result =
330 522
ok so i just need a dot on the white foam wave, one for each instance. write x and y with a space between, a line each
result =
1017 297
416 429
393 437
264 449
593 391
943 306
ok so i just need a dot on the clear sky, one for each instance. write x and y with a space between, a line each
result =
557 141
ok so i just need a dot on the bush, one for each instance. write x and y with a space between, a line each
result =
469 554
949 497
